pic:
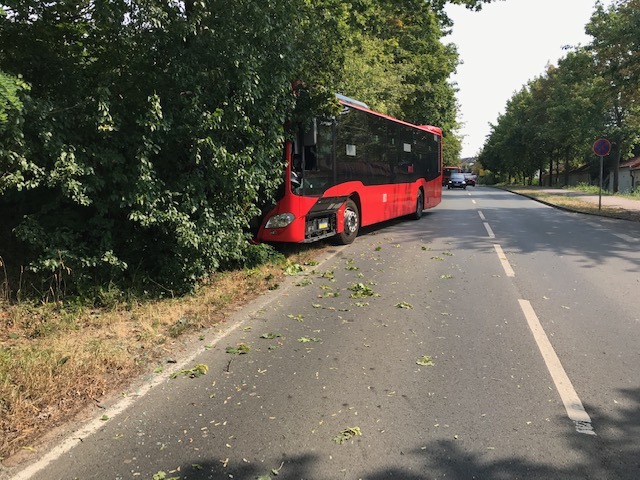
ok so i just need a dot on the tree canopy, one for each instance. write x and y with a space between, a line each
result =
594 91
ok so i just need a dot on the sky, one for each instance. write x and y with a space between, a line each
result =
502 47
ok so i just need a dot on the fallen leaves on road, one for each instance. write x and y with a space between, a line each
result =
360 290
346 435
241 349
328 274
425 361
309 339
270 336
404 305
293 269
163 476
274 471
195 372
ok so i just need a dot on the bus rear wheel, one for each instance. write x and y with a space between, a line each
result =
419 206
351 224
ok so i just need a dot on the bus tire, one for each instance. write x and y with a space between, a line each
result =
417 215
351 224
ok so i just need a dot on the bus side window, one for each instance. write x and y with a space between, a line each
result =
310 158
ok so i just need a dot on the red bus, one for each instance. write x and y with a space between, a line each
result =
357 169
446 173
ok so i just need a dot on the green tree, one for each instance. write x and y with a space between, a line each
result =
452 146
563 113
157 128
594 91
508 152
615 47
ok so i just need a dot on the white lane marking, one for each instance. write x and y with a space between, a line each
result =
489 231
625 237
481 215
572 404
503 260
473 201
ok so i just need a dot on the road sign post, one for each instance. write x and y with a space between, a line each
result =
601 147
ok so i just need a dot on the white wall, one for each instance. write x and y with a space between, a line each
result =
624 180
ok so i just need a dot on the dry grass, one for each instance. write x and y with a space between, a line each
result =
56 359
575 204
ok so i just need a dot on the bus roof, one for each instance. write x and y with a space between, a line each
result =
350 102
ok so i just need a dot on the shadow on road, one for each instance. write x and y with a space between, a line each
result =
613 454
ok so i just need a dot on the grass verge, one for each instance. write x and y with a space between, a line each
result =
58 359
564 199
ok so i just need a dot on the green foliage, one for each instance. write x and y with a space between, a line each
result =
259 254
593 92
10 103
586 188
396 63
16 171
154 135
615 49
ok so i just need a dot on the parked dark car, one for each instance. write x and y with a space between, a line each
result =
457 180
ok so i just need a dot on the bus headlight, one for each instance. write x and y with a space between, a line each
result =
280 221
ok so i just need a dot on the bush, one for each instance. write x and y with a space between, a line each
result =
149 139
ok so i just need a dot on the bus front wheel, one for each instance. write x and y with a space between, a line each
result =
351 224
419 206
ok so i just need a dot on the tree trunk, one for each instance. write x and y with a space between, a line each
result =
541 169
615 151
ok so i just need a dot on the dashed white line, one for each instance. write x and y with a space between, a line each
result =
486 225
503 260
489 231
625 237
572 403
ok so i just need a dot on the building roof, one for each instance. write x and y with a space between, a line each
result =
581 169
632 164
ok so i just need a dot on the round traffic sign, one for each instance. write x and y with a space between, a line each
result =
602 147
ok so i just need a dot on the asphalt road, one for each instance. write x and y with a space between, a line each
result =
526 320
